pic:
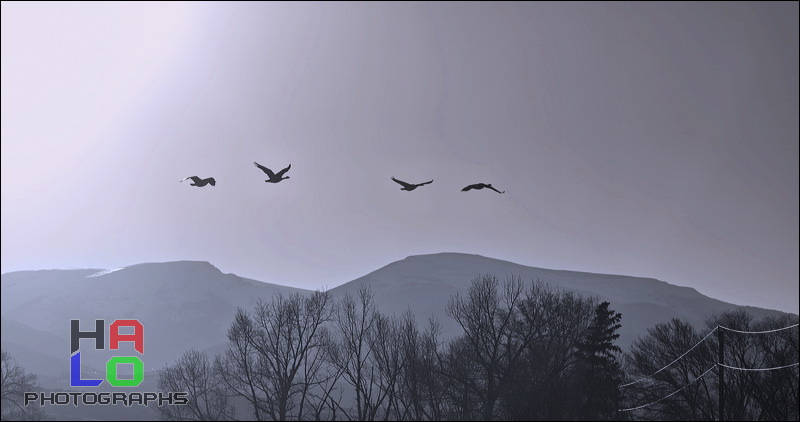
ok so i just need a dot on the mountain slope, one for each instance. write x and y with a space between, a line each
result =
424 284
181 304
188 304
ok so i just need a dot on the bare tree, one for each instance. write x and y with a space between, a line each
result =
776 392
195 375
288 340
420 387
543 385
238 368
389 360
462 381
751 395
14 383
275 358
675 354
350 351
499 325
391 367
740 352
323 400
669 359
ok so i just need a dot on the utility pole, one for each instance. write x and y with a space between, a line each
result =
721 369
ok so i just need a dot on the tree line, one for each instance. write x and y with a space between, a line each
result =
751 393
526 352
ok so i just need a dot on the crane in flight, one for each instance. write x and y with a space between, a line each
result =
481 186
273 177
196 181
410 186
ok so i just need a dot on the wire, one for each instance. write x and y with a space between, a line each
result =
709 369
757 332
679 357
668 395
758 369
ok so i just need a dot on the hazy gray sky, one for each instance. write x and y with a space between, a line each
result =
656 140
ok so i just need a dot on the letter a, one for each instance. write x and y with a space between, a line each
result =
137 337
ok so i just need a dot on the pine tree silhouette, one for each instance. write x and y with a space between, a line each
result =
599 372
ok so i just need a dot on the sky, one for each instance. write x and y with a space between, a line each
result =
646 139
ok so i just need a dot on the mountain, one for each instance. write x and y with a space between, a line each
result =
181 305
189 304
424 284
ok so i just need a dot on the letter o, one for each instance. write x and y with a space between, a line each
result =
138 371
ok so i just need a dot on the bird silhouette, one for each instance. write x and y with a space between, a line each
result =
409 186
273 177
481 186
200 182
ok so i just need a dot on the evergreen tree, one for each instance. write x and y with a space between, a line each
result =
598 371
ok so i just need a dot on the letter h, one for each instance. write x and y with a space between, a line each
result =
76 335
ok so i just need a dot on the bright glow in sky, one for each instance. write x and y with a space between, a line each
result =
655 140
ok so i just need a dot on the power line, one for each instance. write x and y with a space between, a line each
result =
701 376
670 394
669 364
709 369
758 369
698 343
757 332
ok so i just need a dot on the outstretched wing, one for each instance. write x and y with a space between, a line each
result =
421 184
194 179
281 173
492 188
404 184
470 187
266 170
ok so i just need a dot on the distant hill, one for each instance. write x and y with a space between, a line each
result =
181 305
189 304
424 284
